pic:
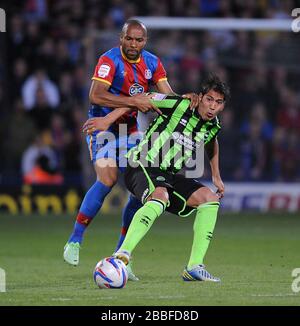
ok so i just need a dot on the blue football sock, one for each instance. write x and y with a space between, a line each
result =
90 206
129 210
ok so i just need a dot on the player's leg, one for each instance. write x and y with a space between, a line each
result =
140 184
207 204
132 206
107 173
133 203
142 221
190 195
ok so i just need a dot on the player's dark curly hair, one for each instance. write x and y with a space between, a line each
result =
213 82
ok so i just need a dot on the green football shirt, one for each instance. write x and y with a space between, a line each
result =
174 136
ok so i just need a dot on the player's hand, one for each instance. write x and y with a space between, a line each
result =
194 98
217 181
143 103
96 124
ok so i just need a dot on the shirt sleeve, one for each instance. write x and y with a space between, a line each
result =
214 132
167 103
105 70
160 73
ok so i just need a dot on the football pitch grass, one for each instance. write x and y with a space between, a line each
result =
254 254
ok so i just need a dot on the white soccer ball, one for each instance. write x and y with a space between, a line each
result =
110 273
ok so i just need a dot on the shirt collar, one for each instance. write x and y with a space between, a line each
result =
197 114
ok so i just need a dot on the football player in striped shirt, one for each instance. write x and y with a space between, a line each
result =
121 78
153 170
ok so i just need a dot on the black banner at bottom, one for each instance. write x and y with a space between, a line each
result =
133 315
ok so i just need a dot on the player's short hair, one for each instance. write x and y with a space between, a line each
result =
133 22
213 82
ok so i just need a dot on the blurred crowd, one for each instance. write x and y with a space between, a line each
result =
46 65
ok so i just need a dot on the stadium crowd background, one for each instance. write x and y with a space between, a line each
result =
45 77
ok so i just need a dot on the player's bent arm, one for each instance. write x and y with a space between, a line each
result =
103 123
164 87
100 95
212 150
116 114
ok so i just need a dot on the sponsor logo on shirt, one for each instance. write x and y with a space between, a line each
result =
136 89
103 71
185 141
183 122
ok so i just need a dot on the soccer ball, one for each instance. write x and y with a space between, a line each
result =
110 273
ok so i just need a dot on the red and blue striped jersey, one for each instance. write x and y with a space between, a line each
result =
126 77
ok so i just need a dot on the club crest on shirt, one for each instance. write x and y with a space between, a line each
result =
136 89
148 74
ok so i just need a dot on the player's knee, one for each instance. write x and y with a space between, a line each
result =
212 197
108 180
107 175
160 193
207 195
202 196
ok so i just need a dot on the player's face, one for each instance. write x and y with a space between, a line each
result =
211 104
133 41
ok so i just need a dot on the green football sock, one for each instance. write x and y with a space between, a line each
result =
141 223
204 225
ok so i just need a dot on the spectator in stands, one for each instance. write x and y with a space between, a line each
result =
41 112
286 152
289 113
18 133
39 80
42 173
35 10
20 71
40 146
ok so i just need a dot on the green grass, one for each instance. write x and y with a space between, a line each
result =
253 254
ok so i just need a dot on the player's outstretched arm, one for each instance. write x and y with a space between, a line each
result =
212 150
103 123
100 95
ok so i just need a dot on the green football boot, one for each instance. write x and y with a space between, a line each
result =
71 253
131 275
126 259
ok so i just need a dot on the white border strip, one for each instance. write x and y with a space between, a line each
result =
217 23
